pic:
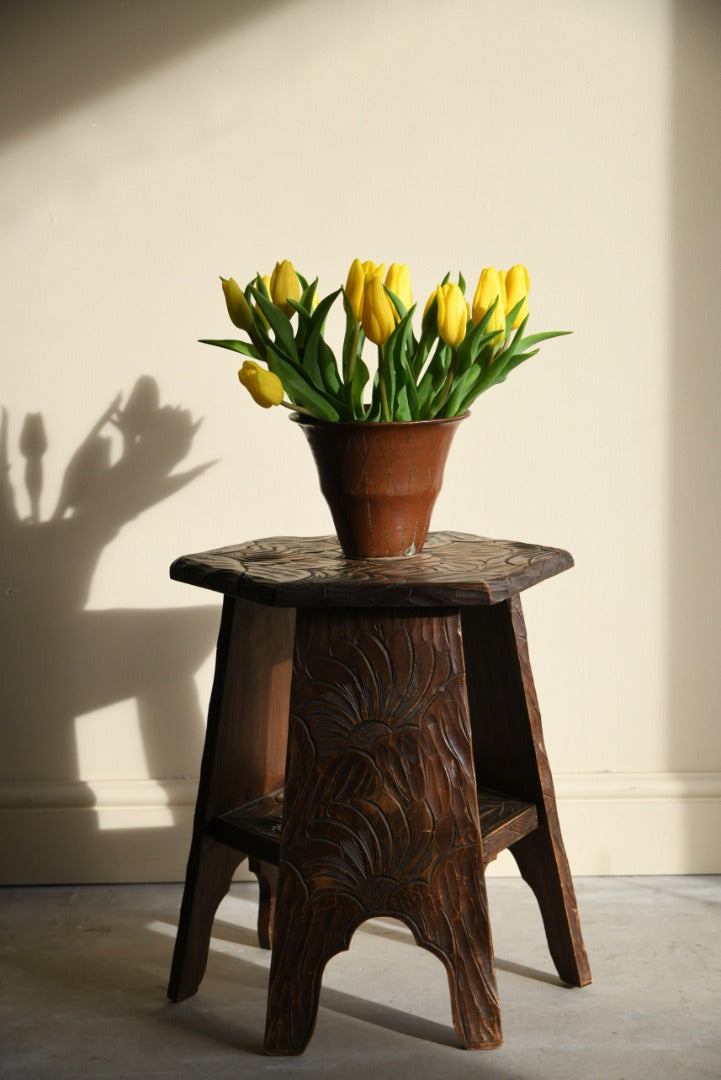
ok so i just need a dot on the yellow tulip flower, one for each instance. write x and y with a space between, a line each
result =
371 269
379 315
238 307
398 280
517 284
354 286
284 285
490 288
263 386
452 314
358 275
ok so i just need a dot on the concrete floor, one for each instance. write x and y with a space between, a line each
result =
84 969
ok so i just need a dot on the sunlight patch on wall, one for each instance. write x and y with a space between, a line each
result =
110 747
110 744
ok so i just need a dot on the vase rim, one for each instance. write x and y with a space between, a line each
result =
300 418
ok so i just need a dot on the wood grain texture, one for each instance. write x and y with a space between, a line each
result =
510 754
380 814
255 828
415 754
454 570
243 757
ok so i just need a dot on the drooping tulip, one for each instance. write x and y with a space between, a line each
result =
284 285
452 314
490 289
398 280
379 316
263 386
238 307
517 284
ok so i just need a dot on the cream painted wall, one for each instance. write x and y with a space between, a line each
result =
148 148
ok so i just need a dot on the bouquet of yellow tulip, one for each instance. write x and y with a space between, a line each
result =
462 349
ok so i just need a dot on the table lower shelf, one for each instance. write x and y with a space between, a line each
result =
255 828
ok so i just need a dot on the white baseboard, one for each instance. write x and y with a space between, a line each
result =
139 830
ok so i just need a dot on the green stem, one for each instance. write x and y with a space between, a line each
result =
297 408
448 383
262 352
353 355
385 411
350 373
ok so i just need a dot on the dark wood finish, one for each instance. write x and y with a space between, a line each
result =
380 814
415 755
244 757
255 828
453 570
510 753
267 875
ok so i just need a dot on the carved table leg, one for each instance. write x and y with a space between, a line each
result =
510 755
381 815
243 758
267 876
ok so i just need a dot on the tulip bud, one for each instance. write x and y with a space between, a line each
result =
354 286
518 284
452 314
284 285
238 307
398 280
378 312
263 386
490 289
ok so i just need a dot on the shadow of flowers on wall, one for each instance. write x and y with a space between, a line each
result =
59 659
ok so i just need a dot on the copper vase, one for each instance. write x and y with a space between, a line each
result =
380 480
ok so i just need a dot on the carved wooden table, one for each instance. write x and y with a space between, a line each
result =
373 741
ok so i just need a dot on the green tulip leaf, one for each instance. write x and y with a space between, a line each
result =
398 303
511 317
402 360
259 284
513 363
319 357
387 372
329 368
243 347
361 377
534 339
434 380
306 298
278 322
462 387
299 390
403 408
